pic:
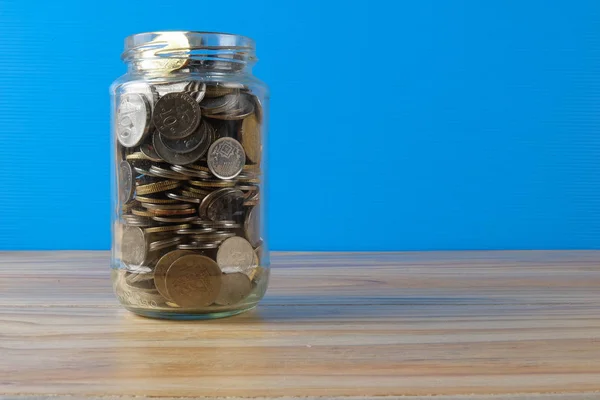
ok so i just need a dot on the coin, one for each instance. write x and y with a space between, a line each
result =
196 89
166 173
173 157
142 88
177 196
161 268
213 237
135 220
250 134
243 107
141 213
226 158
125 182
192 173
176 115
226 206
137 156
162 244
157 187
252 226
166 228
133 119
197 246
223 204
200 137
194 231
193 281
147 149
166 213
218 89
235 287
166 87
199 167
133 246
153 200
217 105
175 44
175 220
208 184
236 255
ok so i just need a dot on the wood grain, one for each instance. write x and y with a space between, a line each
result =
458 324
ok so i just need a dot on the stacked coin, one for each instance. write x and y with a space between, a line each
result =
189 175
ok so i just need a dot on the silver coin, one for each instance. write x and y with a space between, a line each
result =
142 171
134 247
166 173
137 277
206 201
190 172
147 149
196 89
212 237
201 137
194 231
176 196
234 288
226 207
197 246
142 88
173 157
175 220
224 224
243 108
126 187
135 220
216 105
170 87
226 158
252 226
163 244
236 255
133 119
176 115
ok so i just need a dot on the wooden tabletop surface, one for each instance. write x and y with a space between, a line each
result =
442 326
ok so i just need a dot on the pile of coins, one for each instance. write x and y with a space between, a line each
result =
189 175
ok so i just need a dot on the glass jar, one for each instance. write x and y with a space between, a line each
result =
189 121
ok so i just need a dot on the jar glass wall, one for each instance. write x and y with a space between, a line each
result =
189 124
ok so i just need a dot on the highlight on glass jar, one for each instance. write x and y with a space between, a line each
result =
188 184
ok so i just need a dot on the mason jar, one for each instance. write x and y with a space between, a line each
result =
189 123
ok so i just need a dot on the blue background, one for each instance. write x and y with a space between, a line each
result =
400 125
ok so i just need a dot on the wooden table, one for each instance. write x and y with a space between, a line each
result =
457 325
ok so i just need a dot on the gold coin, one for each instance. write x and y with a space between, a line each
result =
196 190
136 156
144 199
249 180
257 273
173 43
157 187
198 167
141 213
158 229
193 281
250 133
212 183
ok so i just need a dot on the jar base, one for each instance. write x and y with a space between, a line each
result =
188 316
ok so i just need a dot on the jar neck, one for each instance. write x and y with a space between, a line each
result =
182 52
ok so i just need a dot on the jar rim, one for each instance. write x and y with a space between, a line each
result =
193 40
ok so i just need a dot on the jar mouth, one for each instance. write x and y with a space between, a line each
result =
189 45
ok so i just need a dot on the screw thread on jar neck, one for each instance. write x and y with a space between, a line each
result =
188 52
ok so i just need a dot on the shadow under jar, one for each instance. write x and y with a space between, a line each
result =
189 121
